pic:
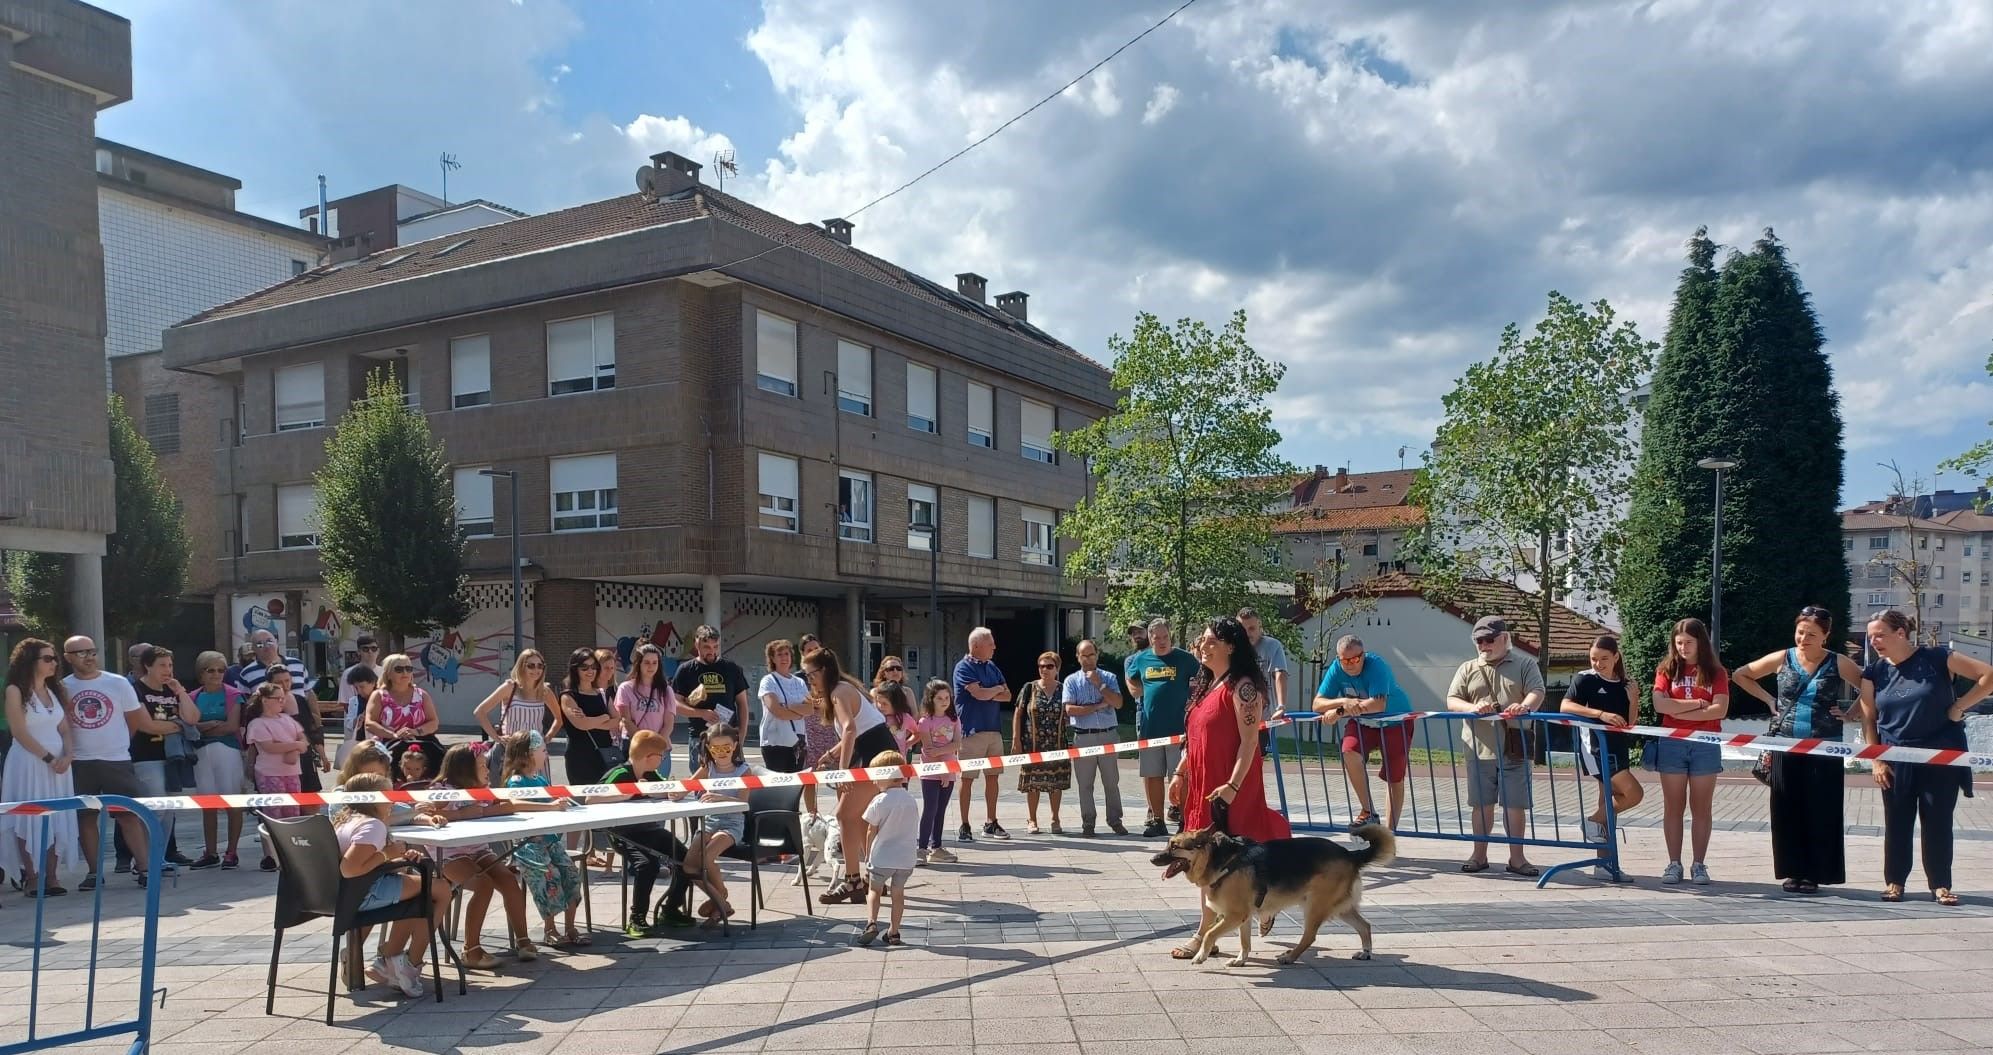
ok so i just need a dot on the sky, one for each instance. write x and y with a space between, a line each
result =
1381 184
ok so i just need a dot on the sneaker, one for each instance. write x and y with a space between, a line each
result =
1086 832
1699 874
940 857
381 973
123 866
408 977
206 861
993 830
178 859
230 861
1155 829
168 869
269 864
1605 875
1594 831
1117 827
1672 874
675 918
1176 814
635 929
89 882
964 835
139 877
921 857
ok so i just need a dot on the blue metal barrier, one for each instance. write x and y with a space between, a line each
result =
1308 756
140 1025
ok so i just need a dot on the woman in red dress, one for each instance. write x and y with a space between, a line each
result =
1219 782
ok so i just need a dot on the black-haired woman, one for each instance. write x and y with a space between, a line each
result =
1809 850
589 722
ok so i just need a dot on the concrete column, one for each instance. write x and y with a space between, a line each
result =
854 641
1052 628
86 603
975 615
715 614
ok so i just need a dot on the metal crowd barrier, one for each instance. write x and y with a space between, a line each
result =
47 953
1315 795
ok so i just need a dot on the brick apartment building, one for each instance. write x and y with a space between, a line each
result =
715 414
60 63
1341 527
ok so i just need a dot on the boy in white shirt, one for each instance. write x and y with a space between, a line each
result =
893 823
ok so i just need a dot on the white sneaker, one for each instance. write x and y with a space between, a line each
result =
1594 831
408 976
1673 873
921 857
383 973
1699 874
940 856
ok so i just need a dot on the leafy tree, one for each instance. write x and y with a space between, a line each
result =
1978 460
387 519
1741 376
1189 487
1527 479
145 559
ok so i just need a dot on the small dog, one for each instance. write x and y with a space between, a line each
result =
1243 879
820 845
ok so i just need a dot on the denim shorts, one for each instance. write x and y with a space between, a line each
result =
385 891
1692 757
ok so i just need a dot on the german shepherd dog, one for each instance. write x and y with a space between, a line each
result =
1243 880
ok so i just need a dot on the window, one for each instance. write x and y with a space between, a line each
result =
1941 601
982 415
298 267
1878 542
1938 573
779 490
297 516
1370 549
1968 549
581 355
584 492
982 527
1941 542
470 371
1034 432
162 422
1878 598
1847 544
1039 545
104 164
854 506
922 504
774 354
301 397
854 378
1965 577
474 517
920 398
1923 542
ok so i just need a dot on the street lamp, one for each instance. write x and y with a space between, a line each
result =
933 594
518 587
1718 466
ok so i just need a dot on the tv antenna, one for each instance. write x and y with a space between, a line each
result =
1401 458
447 162
723 166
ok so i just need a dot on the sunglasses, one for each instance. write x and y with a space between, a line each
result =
204 670
1485 639
892 670
586 666
536 666
401 670
1048 666
46 657
370 648
85 652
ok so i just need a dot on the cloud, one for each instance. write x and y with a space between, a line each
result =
1161 102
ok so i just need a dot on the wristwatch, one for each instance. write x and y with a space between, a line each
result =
47 759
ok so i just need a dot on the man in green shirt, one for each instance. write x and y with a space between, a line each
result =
1160 676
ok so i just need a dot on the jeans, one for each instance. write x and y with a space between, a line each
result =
1919 794
934 796
654 845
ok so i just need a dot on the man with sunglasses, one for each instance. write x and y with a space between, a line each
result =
369 652
269 655
1501 682
104 716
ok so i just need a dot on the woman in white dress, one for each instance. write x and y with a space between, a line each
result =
37 768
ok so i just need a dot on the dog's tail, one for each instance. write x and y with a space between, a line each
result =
1383 848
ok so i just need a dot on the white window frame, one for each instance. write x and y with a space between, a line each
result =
780 484
982 526
850 526
297 516
1041 536
854 378
591 499
923 393
301 411
981 426
774 364
475 518
470 371
1034 437
917 496
1878 598
1876 542
600 373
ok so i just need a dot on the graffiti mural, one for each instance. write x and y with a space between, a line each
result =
630 614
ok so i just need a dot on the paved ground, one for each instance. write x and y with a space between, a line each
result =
1058 946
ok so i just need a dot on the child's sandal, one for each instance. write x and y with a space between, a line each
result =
893 938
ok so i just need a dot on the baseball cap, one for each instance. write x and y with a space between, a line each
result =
1491 624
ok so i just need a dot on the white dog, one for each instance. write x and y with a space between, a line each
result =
822 844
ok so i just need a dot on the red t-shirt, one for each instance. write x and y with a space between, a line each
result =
1689 685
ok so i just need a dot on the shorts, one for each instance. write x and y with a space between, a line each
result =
1666 755
731 824
385 891
985 744
1618 749
1160 762
218 770
1498 781
890 878
151 777
107 778
1394 741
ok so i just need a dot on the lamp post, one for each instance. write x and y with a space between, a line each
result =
518 587
1718 466
933 594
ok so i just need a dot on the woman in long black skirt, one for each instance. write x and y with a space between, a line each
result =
1808 828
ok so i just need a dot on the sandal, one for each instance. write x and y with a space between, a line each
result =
1892 892
870 934
1790 886
1473 867
1808 886
476 959
893 938
1189 952
721 914
1944 896
577 939
1363 818
552 939
526 951
1057 829
1525 869
1032 828
839 893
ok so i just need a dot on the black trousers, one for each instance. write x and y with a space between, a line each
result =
654 846
1808 827
1926 795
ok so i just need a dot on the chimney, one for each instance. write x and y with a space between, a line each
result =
1012 304
1342 480
839 229
972 286
676 173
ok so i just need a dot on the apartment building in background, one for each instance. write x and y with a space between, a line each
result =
1340 528
386 217
715 415
1950 555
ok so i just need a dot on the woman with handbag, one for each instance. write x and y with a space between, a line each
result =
1038 723
400 713
1808 848
590 723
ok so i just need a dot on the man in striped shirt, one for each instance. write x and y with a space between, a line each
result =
269 655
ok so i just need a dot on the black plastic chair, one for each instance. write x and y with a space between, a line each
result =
774 826
310 887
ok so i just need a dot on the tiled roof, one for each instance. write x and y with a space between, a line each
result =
1865 520
1571 633
1966 520
1372 518
1342 501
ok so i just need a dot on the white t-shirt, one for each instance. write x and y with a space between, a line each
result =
97 717
362 831
898 817
788 688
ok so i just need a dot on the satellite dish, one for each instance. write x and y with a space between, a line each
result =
648 181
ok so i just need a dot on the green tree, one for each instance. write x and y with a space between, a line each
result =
145 559
1978 460
387 519
1188 484
1741 376
1527 478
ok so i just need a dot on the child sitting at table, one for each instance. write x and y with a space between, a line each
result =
416 765
652 841
477 866
542 859
893 821
363 847
722 758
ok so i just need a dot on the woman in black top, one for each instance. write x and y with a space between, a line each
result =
1600 694
589 722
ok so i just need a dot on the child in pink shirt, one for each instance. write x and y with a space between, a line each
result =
279 744
938 733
